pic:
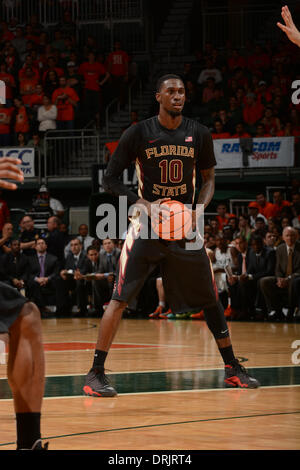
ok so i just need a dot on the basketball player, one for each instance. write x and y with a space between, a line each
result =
289 28
20 326
168 150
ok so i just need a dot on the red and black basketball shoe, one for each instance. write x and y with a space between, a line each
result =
98 385
236 376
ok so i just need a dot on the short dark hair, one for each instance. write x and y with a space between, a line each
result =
168 76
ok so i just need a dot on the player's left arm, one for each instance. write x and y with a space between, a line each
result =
208 186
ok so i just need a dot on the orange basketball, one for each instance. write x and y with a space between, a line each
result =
177 225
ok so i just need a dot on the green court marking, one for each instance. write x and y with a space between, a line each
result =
176 423
162 381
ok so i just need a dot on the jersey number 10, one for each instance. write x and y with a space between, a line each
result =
171 171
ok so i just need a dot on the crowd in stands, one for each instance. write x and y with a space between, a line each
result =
255 257
55 81
244 93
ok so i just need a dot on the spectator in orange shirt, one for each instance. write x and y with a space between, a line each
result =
29 63
65 98
223 216
21 117
236 60
271 123
51 66
253 110
260 131
218 131
94 75
263 94
279 203
240 132
28 85
264 207
9 81
5 120
209 89
36 99
118 68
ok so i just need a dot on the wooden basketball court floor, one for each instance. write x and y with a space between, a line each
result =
169 377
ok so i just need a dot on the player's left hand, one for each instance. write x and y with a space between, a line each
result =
9 170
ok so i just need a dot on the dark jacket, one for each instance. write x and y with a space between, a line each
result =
261 265
282 260
51 267
14 267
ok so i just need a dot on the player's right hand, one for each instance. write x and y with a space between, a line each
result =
9 170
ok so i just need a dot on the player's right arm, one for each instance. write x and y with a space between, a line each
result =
9 170
127 152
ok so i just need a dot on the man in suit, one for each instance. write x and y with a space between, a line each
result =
241 261
54 239
261 263
104 265
70 288
278 289
15 267
43 271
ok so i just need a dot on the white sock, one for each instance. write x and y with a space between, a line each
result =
162 304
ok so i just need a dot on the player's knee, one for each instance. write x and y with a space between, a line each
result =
30 318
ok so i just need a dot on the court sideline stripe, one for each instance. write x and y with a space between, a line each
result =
86 433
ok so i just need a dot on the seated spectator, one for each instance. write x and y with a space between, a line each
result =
209 71
109 258
264 207
223 116
65 99
54 239
236 60
42 275
21 140
260 263
6 237
47 115
245 230
240 258
270 240
222 258
70 288
28 235
218 131
234 113
223 215
296 213
240 132
36 99
271 123
84 237
209 89
279 203
234 224
260 227
277 290
253 111
263 95
253 213
15 267
4 211
51 67
260 131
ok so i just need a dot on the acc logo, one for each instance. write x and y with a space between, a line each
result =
296 354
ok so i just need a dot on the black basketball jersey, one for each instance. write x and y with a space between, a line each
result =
166 160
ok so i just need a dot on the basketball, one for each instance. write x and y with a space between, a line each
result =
177 225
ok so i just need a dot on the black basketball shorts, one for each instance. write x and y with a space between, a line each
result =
11 304
187 274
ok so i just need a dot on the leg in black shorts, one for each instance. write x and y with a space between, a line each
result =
20 324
